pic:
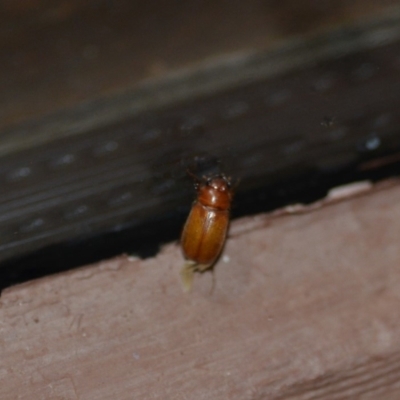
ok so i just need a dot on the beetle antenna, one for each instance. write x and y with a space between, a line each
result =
196 179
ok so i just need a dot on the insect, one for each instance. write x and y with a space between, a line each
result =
204 233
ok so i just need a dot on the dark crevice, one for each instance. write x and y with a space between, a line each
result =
144 240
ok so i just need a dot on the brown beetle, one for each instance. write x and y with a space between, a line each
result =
205 229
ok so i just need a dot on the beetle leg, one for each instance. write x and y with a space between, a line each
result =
202 267
187 273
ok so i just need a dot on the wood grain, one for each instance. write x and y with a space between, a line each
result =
305 306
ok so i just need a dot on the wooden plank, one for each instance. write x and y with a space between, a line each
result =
130 173
87 148
59 54
305 306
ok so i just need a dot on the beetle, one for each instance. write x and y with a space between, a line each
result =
205 230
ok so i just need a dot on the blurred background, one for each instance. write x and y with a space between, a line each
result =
105 105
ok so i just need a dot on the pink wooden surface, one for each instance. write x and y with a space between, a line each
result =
305 306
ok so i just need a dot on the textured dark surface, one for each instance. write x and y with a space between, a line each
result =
276 129
56 55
